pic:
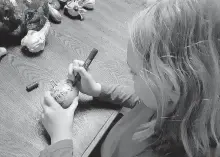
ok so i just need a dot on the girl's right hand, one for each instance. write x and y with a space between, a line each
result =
87 84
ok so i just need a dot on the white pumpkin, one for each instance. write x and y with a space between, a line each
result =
64 93
74 9
35 40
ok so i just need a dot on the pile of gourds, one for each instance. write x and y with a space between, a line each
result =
72 8
29 19
26 21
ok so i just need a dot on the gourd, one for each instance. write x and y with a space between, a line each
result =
34 41
3 51
64 92
55 4
54 14
74 9
88 4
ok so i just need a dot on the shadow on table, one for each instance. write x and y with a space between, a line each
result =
95 104
7 40
43 132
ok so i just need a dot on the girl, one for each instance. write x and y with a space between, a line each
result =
173 54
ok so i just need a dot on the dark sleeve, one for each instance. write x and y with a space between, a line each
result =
119 95
62 148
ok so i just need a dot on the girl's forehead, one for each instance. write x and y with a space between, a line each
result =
133 58
141 37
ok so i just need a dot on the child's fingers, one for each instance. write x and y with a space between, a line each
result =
50 101
78 63
42 116
44 106
82 71
71 109
70 70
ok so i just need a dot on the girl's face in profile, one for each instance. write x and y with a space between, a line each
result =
144 89
141 88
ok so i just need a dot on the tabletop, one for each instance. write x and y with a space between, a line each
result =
104 28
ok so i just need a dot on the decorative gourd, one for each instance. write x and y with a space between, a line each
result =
34 41
88 4
3 51
54 14
55 4
74 9
19 16
64 92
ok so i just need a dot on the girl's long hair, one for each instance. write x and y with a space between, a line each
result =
178 41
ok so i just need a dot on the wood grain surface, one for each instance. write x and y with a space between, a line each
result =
104 28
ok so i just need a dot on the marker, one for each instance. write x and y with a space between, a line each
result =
86 64
32 86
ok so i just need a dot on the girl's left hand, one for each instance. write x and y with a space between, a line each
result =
58 121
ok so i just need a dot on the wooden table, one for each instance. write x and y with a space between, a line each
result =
104 28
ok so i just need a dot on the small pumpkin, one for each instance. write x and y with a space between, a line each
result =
64 92
74 9
34 41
